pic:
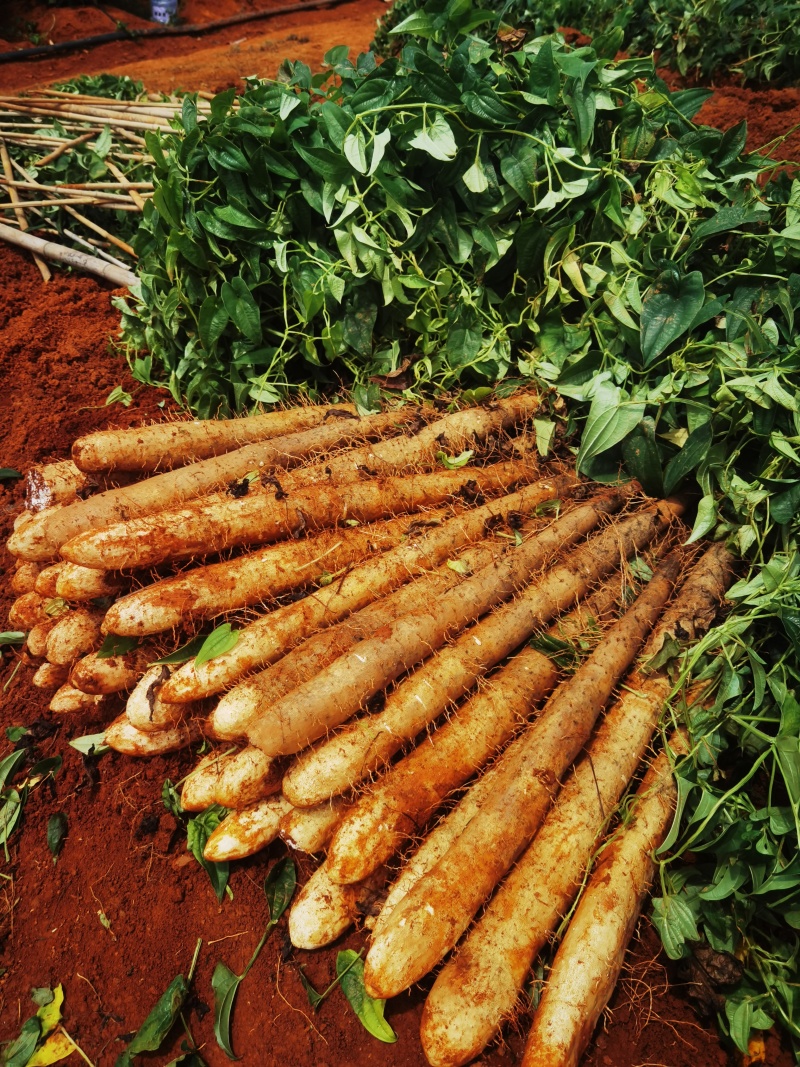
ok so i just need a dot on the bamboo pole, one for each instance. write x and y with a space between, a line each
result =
103 233
132 192
91 194
55 113
65 147
93 246
77 186
67 255
19 212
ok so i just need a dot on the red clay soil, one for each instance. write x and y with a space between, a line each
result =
211 62
122 860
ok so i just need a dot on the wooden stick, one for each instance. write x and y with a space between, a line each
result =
53 202
67 255
103 233
22 222
51 157
135 197
56 189
91 116
93 246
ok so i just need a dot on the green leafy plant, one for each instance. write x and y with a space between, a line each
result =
350 975
203 647
335 226
154 1030
757 41
279 887
350 971
118 86
198 830
13 796
42 1039
57 830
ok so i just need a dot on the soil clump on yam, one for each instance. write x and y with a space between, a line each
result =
118 916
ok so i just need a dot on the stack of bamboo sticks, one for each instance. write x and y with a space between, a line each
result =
37 130
383 665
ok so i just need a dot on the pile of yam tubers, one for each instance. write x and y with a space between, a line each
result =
426 643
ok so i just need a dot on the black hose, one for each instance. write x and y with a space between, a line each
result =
161 31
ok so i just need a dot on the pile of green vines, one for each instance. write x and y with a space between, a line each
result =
755 42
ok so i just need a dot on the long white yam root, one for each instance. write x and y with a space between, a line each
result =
23 578
245 702
405 798
322 910
110 674
66 700
145 709
200 785
46 580
433 916
453 434
338 691
170 444
589 959
125 738
442 835
36 642
351 755
224 521
54 483
268 638
310 829
479 987
49 676
436 844
245 832
258 576
27 611
246 778
42 537
73 636
86 583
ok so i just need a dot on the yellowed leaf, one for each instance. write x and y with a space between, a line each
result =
50 1014
57 1047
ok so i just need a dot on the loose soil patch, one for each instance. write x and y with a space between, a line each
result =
122 859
